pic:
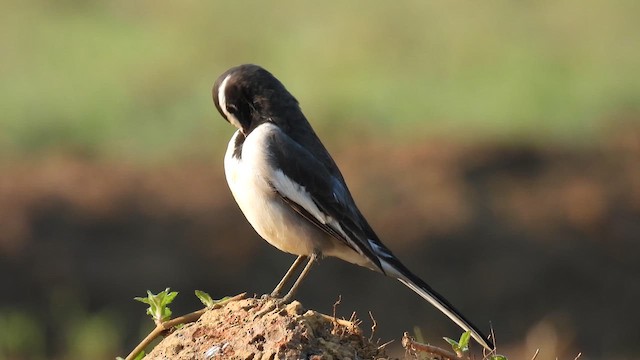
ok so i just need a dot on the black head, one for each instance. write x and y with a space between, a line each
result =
248 95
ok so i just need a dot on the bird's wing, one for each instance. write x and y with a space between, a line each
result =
313 191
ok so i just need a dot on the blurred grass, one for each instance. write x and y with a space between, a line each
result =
26 336
132 79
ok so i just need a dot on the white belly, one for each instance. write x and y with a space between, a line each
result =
275 221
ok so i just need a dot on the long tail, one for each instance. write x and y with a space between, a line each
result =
393 267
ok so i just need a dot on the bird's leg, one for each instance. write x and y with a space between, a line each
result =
303 274
276 292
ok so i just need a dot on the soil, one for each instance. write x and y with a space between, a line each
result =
259 329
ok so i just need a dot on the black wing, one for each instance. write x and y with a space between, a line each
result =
312 190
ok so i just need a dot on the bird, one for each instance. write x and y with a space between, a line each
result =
293 194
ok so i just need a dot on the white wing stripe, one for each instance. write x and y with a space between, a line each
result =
298 194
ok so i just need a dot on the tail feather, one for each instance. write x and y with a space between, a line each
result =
394 268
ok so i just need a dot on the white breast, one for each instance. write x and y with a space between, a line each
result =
248 179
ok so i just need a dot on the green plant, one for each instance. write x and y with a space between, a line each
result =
461 346
206 299
158 309
160 313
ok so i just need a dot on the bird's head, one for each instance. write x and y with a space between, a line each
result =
248 95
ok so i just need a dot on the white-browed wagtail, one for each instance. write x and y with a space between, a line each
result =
292 192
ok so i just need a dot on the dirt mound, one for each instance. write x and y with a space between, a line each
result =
258 329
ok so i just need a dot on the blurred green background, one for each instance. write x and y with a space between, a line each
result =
129 78
110 160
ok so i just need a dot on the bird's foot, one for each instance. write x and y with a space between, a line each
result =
287 298
277 299
272 304
269 296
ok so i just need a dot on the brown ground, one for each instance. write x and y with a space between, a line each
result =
256 329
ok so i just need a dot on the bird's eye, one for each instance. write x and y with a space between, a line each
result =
231 108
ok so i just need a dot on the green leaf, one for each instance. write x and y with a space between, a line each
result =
461 346
205 298
210 302
450 341
464 341
142 300
158 309
454 344
498 357
168 299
